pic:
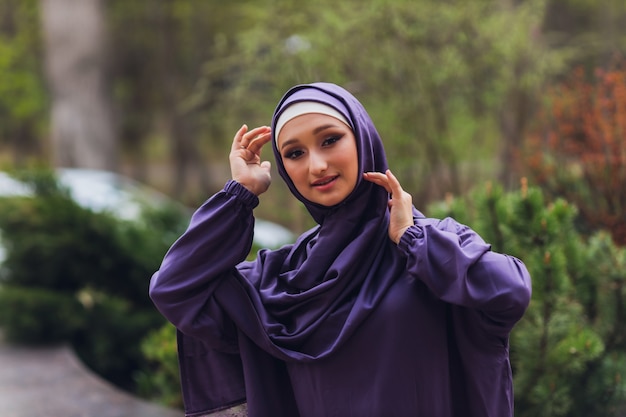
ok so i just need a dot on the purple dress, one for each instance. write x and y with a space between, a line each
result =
343 322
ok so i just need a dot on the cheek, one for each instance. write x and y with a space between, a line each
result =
350 161
353 170
294 170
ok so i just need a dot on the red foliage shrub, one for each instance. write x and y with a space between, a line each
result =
578 147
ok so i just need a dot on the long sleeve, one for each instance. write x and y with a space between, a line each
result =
219 237
459 268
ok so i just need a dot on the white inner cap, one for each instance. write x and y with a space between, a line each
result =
306 107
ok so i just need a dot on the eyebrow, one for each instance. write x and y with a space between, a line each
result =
315 132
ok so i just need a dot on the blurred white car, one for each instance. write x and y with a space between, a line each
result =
125 197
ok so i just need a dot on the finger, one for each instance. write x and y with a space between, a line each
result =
239 137
252 135
378 179
394 184
377 175
258 142
381 183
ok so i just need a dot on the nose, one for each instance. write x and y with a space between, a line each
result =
317 163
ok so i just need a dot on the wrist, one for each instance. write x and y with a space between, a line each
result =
249 188
256 186
245 195
399 233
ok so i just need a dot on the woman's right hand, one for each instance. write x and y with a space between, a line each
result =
245 159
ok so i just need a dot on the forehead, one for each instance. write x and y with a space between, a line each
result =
307 125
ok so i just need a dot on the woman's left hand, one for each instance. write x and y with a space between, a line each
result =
400 204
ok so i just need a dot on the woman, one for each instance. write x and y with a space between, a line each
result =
377 311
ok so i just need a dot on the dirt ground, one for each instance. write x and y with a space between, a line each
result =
52 382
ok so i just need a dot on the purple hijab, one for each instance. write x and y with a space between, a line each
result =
311 296
304 301
369 147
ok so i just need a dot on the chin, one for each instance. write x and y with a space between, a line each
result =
330 201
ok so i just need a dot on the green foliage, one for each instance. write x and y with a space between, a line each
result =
110 341
23 100
162 380
76 276
56 244
567 350
38 315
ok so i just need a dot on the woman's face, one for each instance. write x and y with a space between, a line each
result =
320 156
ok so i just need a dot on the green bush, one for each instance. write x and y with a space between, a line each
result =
161 380
77 276
39 316
568 351
110 340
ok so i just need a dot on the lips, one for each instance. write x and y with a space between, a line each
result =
324 181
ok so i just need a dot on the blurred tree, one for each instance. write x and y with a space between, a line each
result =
160 52
578 149
83 131
595 27
23 101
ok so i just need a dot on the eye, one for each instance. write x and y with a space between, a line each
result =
331 140
293 154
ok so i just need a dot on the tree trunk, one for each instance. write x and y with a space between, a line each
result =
513 120
82 126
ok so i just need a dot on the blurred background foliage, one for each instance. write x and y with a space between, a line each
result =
452 86
464 93
577 148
